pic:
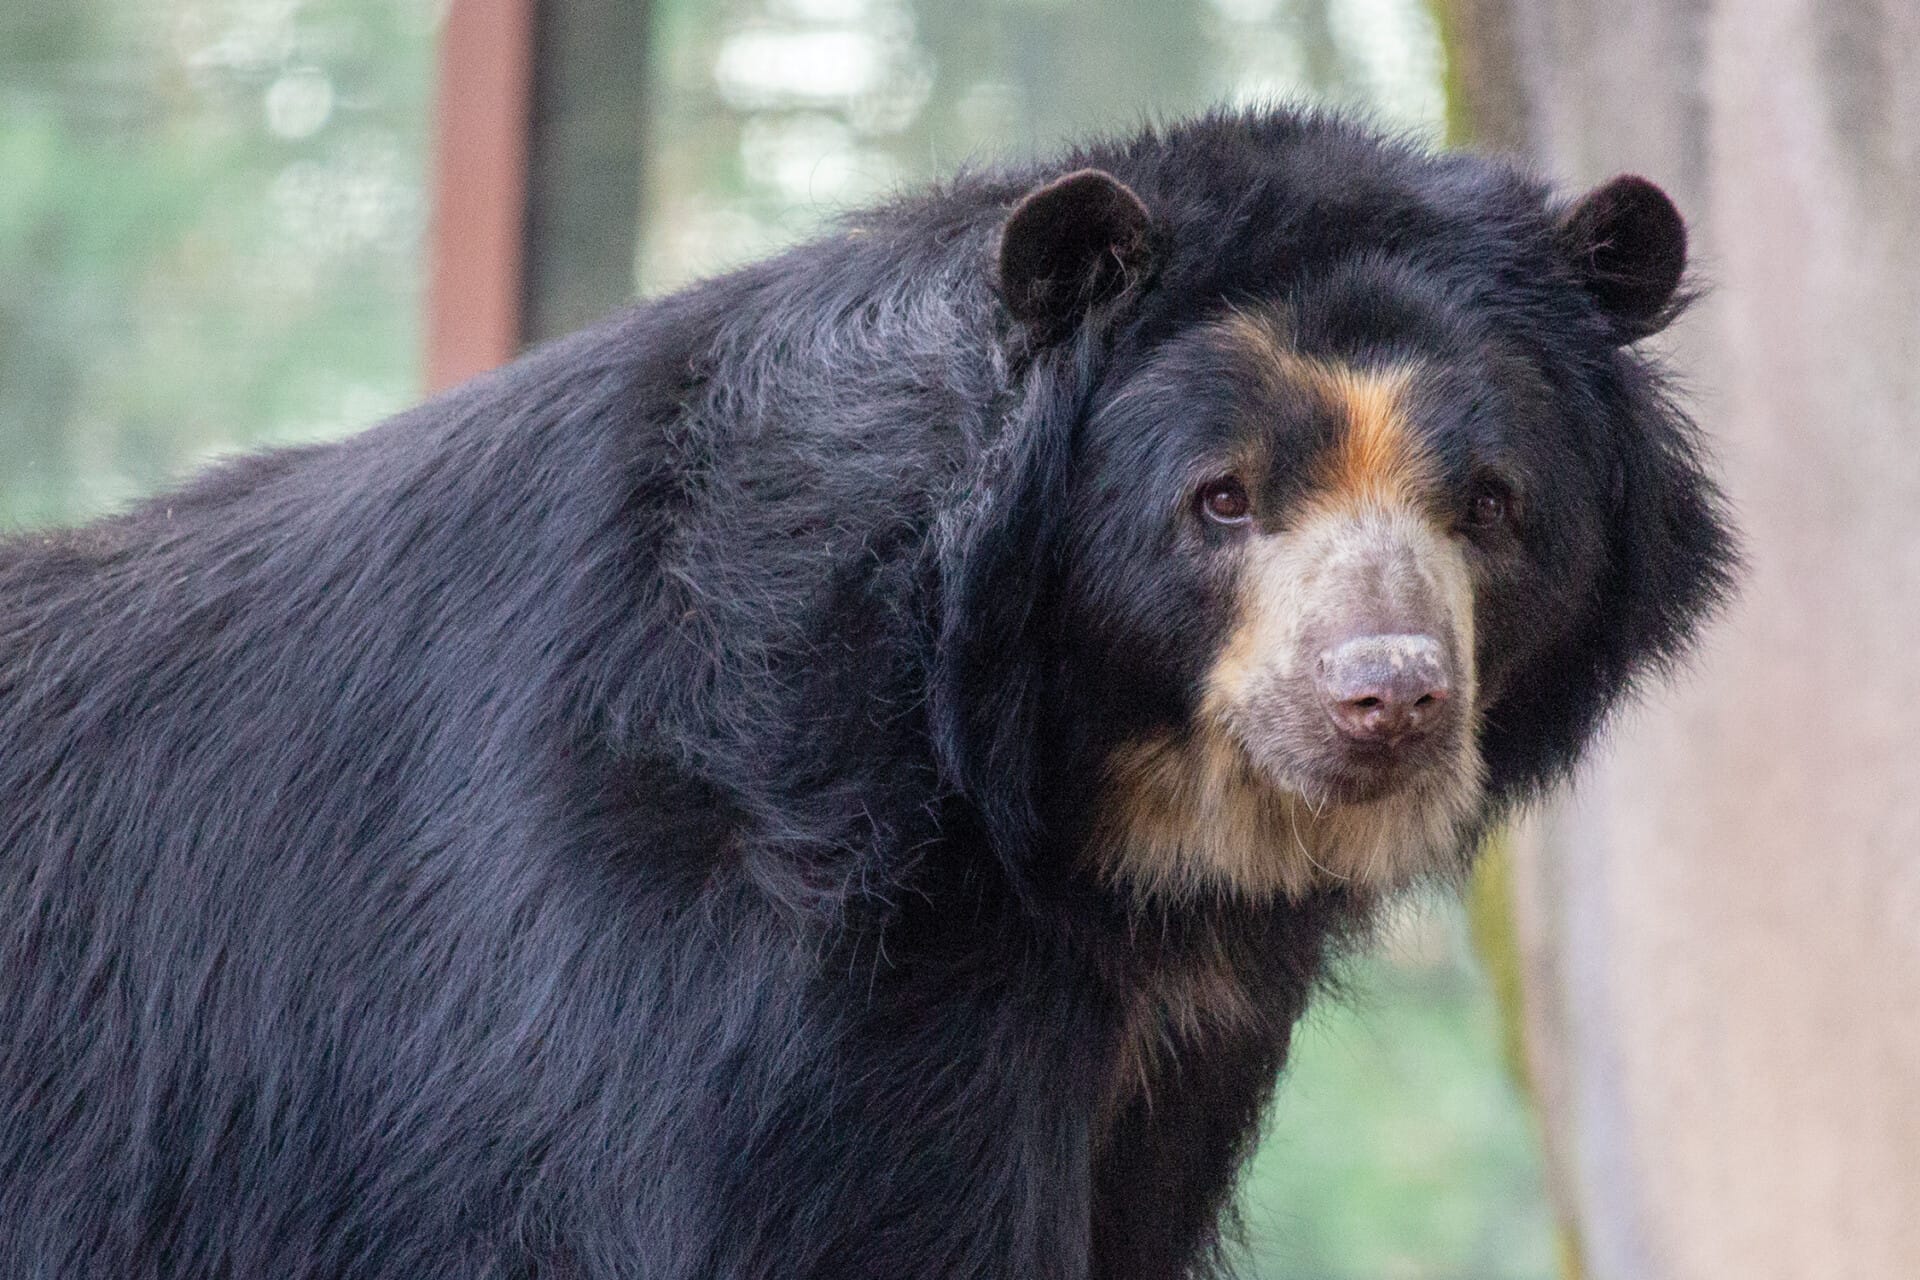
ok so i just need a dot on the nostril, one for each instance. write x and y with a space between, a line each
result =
1385 689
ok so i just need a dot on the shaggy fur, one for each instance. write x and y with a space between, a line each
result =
628 817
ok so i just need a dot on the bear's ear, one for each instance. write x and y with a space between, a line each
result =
1070 245
1629 245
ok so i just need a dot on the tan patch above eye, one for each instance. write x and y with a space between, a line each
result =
1377 458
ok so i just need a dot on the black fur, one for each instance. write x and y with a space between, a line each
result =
618 819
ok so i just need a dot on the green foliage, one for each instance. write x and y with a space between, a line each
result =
767 117
1398 1147
209 234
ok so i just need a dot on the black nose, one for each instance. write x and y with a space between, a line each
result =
1385 689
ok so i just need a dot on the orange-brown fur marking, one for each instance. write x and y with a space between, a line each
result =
1377 460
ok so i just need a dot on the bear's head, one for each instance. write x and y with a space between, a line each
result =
1335 515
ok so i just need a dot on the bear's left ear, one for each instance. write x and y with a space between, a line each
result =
1070 245
1629 245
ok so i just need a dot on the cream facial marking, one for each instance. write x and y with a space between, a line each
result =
1261 795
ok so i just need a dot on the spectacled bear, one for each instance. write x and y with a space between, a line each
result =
851 770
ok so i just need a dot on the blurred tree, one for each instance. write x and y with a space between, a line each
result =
590 77
771 115
1723 929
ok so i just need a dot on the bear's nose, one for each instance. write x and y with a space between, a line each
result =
1385 689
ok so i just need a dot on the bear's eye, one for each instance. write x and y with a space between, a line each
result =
1225 501
1492 507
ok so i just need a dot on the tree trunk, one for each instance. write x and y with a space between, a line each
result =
1722 926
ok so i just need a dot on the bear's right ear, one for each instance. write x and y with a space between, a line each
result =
1067 247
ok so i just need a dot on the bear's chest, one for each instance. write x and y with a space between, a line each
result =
1177 1013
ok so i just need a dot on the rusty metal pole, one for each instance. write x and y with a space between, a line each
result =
483 123
537 172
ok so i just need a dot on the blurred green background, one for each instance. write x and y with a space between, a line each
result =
211 237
